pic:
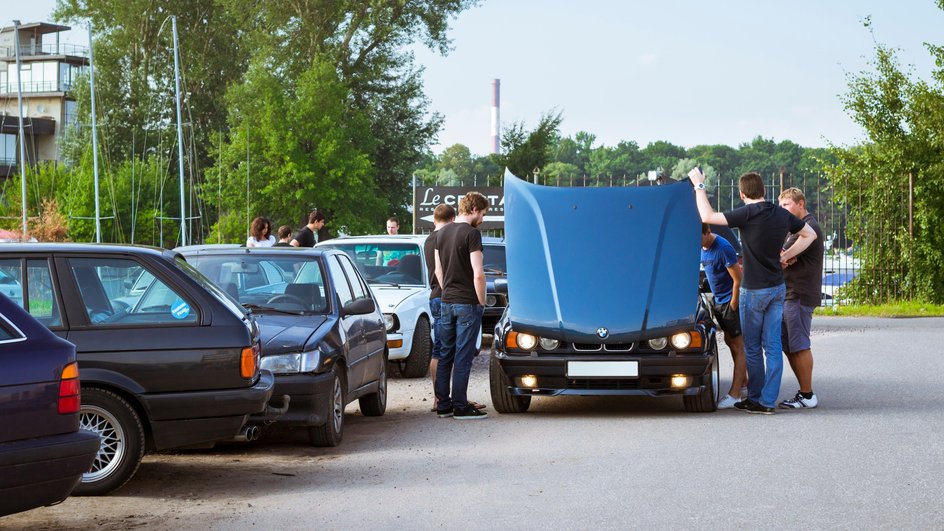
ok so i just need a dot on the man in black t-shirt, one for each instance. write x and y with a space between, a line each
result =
460 272
763 226
306 235
804 279
442 216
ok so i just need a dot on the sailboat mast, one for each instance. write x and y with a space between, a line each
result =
98 214
180 137
19 98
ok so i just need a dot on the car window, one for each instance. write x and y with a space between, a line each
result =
386 262
340 281
42 297
11 275
358 289
9 333
493 258
105 285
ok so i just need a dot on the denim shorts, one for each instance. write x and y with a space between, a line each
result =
797 321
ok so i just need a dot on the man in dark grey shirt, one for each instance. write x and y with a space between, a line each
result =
804 279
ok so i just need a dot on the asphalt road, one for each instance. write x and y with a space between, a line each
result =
869 457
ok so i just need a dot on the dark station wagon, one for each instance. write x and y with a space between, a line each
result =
43 453
605 297
167 362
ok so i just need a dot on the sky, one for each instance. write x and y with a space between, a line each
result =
689 72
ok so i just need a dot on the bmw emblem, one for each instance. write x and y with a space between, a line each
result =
602 332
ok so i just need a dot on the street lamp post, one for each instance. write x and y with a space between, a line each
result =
19 99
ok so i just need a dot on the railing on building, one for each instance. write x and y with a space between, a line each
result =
46 49
35 86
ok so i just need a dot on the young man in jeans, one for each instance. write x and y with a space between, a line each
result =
442 216
460 272
763 227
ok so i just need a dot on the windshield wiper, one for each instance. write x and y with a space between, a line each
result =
494 272
256 307
394 284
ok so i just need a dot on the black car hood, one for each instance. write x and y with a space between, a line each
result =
283 334
601 264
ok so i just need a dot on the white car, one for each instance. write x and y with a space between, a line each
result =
395 270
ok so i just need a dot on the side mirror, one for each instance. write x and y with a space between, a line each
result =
501 286
358 307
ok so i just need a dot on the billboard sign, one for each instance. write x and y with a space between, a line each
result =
427 198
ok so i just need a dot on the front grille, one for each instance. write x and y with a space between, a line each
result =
618 347
587 347
613 384
609 347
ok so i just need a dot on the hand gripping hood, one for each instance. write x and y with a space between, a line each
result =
595 265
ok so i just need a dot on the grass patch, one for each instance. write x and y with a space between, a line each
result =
896 309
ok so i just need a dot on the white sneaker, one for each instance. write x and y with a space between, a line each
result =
727 402
798 402
744 393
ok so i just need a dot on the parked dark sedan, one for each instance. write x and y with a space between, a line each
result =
175 365
493 258
604 285
43 454
322 331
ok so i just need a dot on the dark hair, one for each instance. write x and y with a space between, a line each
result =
444 213
284 232
315 216
258 228
752 186
394 219
705 229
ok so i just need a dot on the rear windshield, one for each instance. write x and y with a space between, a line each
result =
387 262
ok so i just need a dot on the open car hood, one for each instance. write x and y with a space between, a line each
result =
592 265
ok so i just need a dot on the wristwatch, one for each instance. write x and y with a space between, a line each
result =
700 186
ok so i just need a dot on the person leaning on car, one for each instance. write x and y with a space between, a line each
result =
461 273
442 216
804 278
763 225
724 276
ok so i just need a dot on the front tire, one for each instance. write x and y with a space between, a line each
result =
417 364
502 398
330 433
706 400
375 404
122 441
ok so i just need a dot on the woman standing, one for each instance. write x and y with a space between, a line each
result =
260 233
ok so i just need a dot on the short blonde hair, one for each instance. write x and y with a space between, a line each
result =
794 194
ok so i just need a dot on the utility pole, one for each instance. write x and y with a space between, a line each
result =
180 137
19 99
98 214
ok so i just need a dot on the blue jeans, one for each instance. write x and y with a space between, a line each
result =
458 326
435 311
761 313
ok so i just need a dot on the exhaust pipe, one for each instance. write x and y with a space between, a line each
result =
247 434
273 413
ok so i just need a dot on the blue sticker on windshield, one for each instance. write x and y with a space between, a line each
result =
180 309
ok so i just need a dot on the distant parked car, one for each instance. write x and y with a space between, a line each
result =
396 272
322 333
10 287
831 284
493 258
177 366
43 454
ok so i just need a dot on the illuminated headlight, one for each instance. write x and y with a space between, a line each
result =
292 363
658 343
549 344
391 321
681 340
491 300
527 341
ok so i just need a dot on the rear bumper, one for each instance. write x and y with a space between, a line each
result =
310 399
654 377
182 419
43 471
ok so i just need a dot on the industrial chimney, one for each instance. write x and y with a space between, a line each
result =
496 125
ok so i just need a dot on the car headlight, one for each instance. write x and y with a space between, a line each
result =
491 300
681 340
548 343
391 322
658 343
520 341
292 363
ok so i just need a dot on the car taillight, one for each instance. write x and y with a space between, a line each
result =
250 362
69 390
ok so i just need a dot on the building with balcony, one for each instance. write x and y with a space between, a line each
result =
48 70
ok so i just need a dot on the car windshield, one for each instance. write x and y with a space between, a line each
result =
396 263
280 283
208 285
493 256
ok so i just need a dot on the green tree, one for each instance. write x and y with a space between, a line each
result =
523 151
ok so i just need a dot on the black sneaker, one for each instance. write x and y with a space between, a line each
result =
444 413
758 408
469 413
742 405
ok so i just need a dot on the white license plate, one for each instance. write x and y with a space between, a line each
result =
602 368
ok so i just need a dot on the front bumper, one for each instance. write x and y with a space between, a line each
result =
654 379
310 400
402 351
